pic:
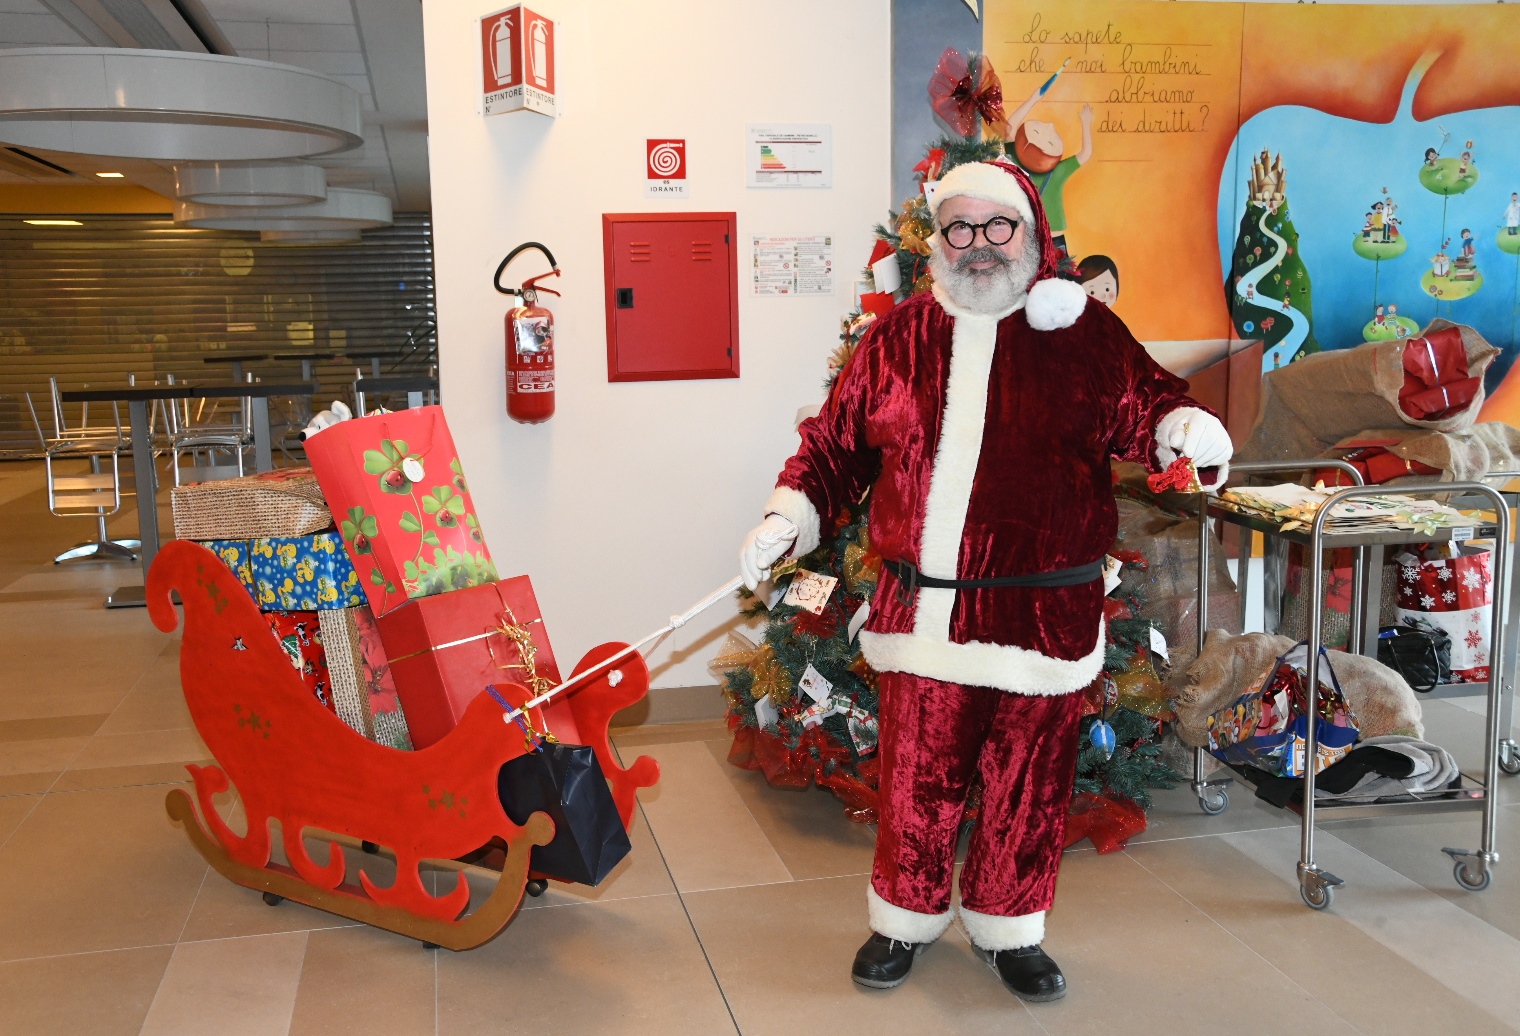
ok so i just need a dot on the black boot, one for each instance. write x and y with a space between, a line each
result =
1029 974
883 963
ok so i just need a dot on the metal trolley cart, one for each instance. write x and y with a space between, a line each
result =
1472 868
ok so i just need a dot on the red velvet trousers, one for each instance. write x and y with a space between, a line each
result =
934 736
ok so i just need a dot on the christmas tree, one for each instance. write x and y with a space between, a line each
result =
1269 292
803 703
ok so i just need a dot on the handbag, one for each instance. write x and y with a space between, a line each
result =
1420 653
565 782
1267 727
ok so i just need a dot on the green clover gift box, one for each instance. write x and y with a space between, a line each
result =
397 491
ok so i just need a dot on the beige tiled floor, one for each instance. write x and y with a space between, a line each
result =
737 912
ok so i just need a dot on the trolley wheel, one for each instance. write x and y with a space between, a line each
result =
1317 897
272 899
536 887
1214 802
430 946
370 847
1509 760
1459 871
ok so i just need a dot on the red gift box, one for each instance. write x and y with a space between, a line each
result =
445 650
1376 465
398 494
300 634
1437 383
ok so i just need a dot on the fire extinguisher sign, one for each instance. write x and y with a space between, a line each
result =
517 62
665 168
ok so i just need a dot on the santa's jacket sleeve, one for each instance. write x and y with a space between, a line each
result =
1146 393
835 464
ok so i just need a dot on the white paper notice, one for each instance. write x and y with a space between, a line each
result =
794 265
789 155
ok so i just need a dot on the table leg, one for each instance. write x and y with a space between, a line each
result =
145 473
1372 599
263 455
413 400
237 371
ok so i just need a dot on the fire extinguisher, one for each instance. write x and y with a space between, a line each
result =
530 344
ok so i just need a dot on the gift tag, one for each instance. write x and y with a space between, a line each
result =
1158 644
1111 567
765 713
814 685
411 467
810 590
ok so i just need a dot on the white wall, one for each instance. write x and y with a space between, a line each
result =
631 503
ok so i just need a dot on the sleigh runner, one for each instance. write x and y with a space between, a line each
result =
293 760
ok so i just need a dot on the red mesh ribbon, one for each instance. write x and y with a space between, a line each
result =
1436 380
816 758
1179 475
961 95
1108 821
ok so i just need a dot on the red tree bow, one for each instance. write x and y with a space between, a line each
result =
931 167
960 94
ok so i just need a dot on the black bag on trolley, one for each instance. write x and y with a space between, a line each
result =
1420 654
566 782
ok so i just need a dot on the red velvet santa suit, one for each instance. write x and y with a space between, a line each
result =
986 441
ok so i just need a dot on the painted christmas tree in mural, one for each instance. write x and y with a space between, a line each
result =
1269 291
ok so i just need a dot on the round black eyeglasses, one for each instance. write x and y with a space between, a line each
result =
998 230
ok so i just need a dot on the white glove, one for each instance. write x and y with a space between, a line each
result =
764 545
1195 434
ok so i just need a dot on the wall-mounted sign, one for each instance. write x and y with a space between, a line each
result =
665 168
793 265
517 62
789 156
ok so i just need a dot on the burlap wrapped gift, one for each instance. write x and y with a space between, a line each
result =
283 502
1309 406
1462 456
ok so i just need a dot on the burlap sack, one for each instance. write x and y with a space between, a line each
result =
1309 406
1379 698
1462 456
284 502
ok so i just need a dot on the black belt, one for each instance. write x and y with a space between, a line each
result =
909 579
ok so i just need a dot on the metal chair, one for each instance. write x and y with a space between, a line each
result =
234 437
97 494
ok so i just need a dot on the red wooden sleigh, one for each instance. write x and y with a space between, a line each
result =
293 761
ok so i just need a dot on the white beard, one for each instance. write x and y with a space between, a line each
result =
994 291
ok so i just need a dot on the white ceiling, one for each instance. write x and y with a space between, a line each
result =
375 46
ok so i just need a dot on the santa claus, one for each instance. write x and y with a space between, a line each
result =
982 415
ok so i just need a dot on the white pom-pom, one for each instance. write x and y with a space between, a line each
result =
1054 303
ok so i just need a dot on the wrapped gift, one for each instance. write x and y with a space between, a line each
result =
445 650
238 557
1455 595
300 634
303 573
1266 727
340 642
402 505
284 502
1437 381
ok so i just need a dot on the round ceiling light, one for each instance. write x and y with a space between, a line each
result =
250 183
310 237
344 208
171 105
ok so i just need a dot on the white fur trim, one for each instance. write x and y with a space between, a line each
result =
985 181
902 924
796 508
979 664
991 932
1054 303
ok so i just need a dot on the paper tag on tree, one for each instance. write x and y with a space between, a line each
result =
810 590
814 685
864 733
765 713
1158 644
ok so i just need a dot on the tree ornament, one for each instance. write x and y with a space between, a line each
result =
1103 738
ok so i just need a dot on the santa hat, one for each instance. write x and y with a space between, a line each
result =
1053 302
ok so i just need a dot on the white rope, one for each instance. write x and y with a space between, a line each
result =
676 622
